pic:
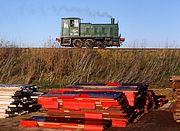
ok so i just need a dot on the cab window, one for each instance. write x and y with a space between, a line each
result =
72 23
76 23
66 24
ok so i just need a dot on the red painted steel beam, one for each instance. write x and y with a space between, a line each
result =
77 102
26 123
118 123
66 123
85 127
103 112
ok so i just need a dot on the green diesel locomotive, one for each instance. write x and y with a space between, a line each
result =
77 34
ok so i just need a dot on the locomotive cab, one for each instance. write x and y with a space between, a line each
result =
70 27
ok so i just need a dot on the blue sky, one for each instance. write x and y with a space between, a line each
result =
144 23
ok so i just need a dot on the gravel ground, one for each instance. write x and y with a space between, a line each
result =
154 121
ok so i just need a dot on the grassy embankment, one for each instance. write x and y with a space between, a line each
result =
58 67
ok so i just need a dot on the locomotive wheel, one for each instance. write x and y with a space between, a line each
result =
77 43
100 44
89 43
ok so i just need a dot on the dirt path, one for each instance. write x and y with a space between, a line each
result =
157 120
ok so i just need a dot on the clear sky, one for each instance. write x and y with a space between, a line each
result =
144 23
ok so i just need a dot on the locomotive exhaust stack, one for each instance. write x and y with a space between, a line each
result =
112 20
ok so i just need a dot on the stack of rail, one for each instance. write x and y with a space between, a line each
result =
16 99
175 80
93 106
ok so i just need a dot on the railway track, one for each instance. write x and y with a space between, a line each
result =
130 49
120 49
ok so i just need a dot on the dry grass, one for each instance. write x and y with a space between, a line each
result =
57 67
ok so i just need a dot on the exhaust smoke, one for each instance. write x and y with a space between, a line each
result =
54 9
